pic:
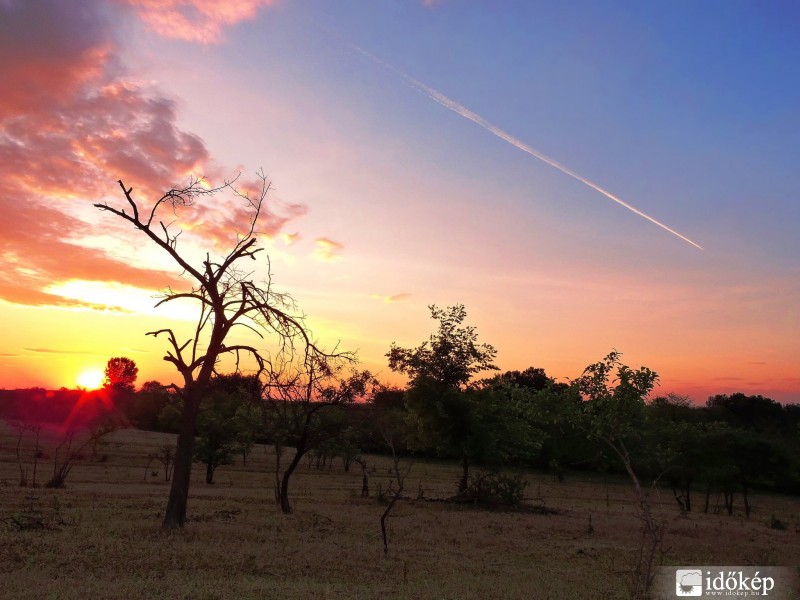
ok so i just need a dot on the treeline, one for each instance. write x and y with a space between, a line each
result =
704 454
711 457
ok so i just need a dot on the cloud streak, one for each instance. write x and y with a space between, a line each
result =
56 351
463 111
393 299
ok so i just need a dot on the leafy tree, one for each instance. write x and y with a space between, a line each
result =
226 296
147 404
446 418
532 378
226 424
470 425
121 374
216 445
551 415
450 357
615 411
755 413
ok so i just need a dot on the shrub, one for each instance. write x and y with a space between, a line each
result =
775 523
495 489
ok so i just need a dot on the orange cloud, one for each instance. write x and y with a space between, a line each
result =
393 298
195 20
56 351
290 238
70 126
221 222
327 250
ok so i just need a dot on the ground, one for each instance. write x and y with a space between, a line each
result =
103 538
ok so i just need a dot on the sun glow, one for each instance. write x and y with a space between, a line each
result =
91 379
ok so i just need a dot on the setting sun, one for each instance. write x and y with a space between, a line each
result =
91 379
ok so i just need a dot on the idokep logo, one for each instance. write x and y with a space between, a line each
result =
688 582
746 581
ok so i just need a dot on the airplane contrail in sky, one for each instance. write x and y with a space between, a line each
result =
503 135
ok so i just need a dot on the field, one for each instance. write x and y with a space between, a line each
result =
104 540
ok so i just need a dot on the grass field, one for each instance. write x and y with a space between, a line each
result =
237 544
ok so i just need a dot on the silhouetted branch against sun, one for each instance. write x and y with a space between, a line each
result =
227 296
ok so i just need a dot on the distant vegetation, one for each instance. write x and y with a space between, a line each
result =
732 445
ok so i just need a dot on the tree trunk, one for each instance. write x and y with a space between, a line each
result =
746 500
464 482
364 482
678 497
278 456
286 508
688 495
644 569
209 473
729 502
175 515
36 454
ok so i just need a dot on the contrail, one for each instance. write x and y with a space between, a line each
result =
503 135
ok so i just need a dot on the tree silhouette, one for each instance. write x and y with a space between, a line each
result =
121 374
226 296
445 418
450 357
294 403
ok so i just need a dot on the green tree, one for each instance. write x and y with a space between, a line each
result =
445 417
614 414
755 413
551 415
450 357
218 431
532 378
147 405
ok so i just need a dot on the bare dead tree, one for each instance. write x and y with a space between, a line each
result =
361 461
22 428
227 297
389 427
74 441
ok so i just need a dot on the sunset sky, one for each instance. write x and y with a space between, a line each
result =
401 138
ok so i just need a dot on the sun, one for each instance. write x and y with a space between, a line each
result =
91 379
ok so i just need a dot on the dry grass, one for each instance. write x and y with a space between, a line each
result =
237 544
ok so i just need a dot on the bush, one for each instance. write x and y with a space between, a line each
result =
775 523
495 489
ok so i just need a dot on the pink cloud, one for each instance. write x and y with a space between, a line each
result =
50 50
195 20
70 126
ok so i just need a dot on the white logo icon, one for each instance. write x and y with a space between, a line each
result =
688 582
